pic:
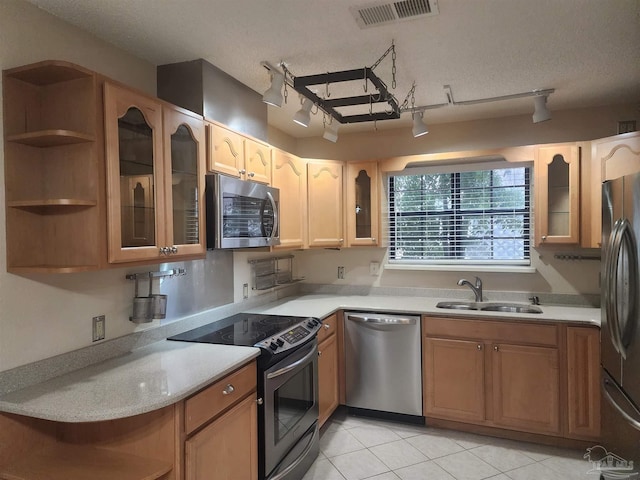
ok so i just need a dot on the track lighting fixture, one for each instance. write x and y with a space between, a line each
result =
273 96
419 127
541 113
303 116
331 131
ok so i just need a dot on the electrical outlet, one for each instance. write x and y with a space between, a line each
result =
341 273
98 327
245 290
374 269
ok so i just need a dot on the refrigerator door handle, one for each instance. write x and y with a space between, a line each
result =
607 384
613 322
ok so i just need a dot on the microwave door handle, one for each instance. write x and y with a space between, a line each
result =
276 215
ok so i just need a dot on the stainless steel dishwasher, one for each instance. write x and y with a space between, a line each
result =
383 366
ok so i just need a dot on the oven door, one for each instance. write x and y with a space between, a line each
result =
290 402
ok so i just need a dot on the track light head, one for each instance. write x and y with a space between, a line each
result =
303 116
273 96
541 113
331 131
419 127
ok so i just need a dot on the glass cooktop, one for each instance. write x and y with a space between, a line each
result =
244 329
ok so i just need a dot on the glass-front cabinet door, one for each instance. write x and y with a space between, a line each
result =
133 132
557 190
362 204
184 162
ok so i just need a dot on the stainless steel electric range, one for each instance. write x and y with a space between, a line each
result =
287 386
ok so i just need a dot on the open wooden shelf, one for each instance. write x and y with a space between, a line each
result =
55 202
50 138
49 72
73 462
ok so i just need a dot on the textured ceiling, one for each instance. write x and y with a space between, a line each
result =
588 50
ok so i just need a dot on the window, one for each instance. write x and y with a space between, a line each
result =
479 216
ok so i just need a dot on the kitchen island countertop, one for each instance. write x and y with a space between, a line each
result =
146 379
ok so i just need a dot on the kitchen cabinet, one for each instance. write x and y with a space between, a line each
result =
289 174
454 378
325 210
557 193
611 157
53 169
362 205
583 374
233 154
500 374
155 178
221 424
328 368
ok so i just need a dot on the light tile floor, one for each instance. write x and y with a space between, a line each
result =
356 448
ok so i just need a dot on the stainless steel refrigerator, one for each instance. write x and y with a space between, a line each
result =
620 333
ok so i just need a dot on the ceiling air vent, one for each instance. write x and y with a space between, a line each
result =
383 12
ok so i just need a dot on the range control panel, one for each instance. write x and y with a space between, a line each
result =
292 336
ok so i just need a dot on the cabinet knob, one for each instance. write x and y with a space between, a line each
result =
228 389
496 348
341 240
319 353
544 238
327 326
174 249
259 401
479 346
373 239
242 172
164 250
251 174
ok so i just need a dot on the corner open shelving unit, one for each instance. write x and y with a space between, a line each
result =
53 181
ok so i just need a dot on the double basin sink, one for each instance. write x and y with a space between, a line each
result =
490 307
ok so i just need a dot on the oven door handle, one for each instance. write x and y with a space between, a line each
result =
302 456
293 366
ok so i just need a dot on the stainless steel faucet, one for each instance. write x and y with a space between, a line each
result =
477 288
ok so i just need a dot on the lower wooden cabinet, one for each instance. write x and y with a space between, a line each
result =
526 387
499 374
328 368
453 378
227 448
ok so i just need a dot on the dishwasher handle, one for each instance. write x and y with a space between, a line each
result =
381 320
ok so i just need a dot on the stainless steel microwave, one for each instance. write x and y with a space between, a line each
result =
241 213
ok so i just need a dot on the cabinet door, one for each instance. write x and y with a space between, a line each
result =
362 210
289 174
526 388
557 190
184 164
583 372
328 399
135 191
225 151
325 211
611 157
226 449
257 161
453 372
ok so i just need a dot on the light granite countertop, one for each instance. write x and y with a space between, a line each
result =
146 379
166 372
322 305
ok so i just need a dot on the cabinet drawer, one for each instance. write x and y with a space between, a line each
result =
329 326
213 400
507 332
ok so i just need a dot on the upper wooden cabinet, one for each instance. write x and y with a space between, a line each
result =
236 155
289 174
53 165
557 193
326 203
155 168
362 206
611 157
